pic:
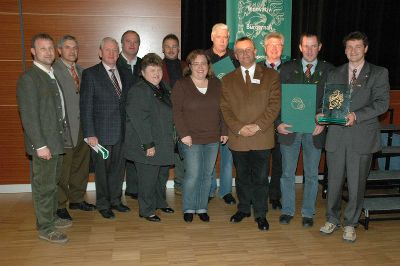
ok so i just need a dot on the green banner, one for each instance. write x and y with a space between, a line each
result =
257 18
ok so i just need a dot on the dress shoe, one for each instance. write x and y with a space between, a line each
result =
121 208
83 206
238 217
262 224
276 204
167 210
229 199
152 218
188 217
107 213
285 219
63 214
308 222
132 195
204 217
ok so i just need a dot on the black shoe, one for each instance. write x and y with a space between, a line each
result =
132 195
121 208
107 213
262 224
83 206
63 214
210 198
188 217
276 204
285 219
229 199
238 217
308 222
204 217
152 218
167 210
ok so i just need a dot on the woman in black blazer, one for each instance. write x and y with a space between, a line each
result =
149 137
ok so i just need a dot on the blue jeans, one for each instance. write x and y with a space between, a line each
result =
225 172
311 157
199 163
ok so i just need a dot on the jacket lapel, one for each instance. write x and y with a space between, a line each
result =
362 79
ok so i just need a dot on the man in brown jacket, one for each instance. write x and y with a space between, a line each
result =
250 103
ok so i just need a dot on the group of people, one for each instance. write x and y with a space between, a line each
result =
151 113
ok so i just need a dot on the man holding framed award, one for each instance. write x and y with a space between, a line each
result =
304 73
350 147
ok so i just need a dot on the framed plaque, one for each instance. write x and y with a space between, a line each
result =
336 104
223 67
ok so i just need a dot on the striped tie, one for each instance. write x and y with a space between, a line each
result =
308 71
115 83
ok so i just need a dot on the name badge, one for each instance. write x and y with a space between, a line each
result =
255 81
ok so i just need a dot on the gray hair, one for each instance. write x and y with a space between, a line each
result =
108 39
276 35
219 26
66 38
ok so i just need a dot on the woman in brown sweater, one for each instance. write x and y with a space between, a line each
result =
199 123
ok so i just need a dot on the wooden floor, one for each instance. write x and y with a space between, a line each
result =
130 240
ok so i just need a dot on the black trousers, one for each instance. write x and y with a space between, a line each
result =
252 181
276 173
109 177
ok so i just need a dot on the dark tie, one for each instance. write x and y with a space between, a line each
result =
75 77
272 65
248 80
353 78
308 71
115 83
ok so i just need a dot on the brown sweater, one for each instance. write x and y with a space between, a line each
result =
198 115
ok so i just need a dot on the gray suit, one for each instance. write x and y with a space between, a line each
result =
75 170
349 149
41 114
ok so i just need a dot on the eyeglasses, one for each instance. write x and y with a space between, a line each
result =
274 45
247 51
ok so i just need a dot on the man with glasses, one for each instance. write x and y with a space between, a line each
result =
250 103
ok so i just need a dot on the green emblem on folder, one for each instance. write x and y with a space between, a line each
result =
223 67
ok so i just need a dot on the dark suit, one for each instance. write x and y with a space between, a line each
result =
130 78
293 73
349 149
149 124
102 115
75 170
242 105
41 114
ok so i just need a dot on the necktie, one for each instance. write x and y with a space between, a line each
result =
75 77
248 80
272 65
353 78
115 83
308 71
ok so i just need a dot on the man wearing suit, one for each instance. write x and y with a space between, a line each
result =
273 47
129 65
250 103
75 168
219 51
308 70
102 116
350 147
41 107
172 71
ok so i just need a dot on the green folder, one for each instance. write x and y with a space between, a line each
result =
223 67
298 107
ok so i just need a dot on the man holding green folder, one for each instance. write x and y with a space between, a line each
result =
308 70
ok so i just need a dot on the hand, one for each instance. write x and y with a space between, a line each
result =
224 139
44 153
253 128
318 129
187 141
246 131
282 129
351 118
93 141
151 152
318 116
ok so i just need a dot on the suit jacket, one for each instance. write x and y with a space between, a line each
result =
369 99
125 71
102 112
260 105
291 73
40 109
71 96
149 124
